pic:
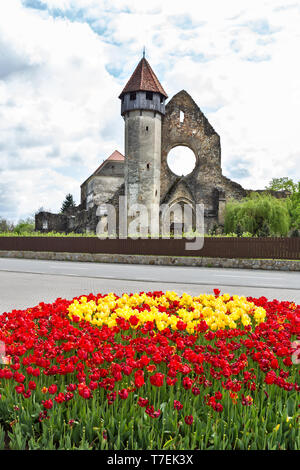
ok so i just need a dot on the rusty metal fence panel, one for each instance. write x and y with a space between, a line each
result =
263 248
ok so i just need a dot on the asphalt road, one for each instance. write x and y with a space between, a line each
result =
24 283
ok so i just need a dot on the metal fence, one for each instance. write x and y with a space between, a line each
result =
271 248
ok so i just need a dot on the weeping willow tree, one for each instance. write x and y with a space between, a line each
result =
259 214
293 201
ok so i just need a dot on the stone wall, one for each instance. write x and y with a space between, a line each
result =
147 177
277 194
103 188
77 220
47 222
267 264
142 157
110 169
206 184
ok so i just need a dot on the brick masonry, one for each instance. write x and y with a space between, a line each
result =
265 264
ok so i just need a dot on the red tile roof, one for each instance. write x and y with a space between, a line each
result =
116 156
143 79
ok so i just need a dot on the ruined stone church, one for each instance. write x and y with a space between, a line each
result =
152 128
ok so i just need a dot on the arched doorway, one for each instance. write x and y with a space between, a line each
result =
178 217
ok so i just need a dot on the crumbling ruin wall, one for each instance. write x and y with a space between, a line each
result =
205 183
47 222
77 220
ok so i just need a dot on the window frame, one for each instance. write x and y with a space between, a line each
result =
149 95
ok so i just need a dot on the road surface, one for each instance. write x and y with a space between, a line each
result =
24 283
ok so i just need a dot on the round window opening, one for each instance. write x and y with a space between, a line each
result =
181 160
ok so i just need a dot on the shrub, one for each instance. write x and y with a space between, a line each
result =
258 214
24 226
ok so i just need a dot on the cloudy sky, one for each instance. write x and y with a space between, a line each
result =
63 64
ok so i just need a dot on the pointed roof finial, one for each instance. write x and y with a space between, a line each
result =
144 52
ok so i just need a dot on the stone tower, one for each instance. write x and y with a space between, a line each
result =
143 106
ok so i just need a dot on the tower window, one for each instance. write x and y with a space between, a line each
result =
147 128
132 96
148 166
149 95
181 116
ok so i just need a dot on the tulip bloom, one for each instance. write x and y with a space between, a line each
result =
189 420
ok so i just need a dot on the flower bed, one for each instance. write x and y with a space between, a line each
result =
151 371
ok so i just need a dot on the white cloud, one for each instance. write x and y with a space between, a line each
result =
59 111
57 100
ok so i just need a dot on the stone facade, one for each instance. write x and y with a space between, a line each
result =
104 182
152 130
265 264
143 158
47 222
77 221
206 184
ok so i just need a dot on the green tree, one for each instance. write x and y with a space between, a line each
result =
292 201
6 225
259 214
24 225
264 231
282 184
239 230
68 203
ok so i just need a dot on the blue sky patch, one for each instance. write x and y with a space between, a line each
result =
114 69
211 109
234 46
257 58
72 15
36 4
184 22
261 26
237 168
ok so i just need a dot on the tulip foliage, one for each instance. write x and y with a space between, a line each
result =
151 371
